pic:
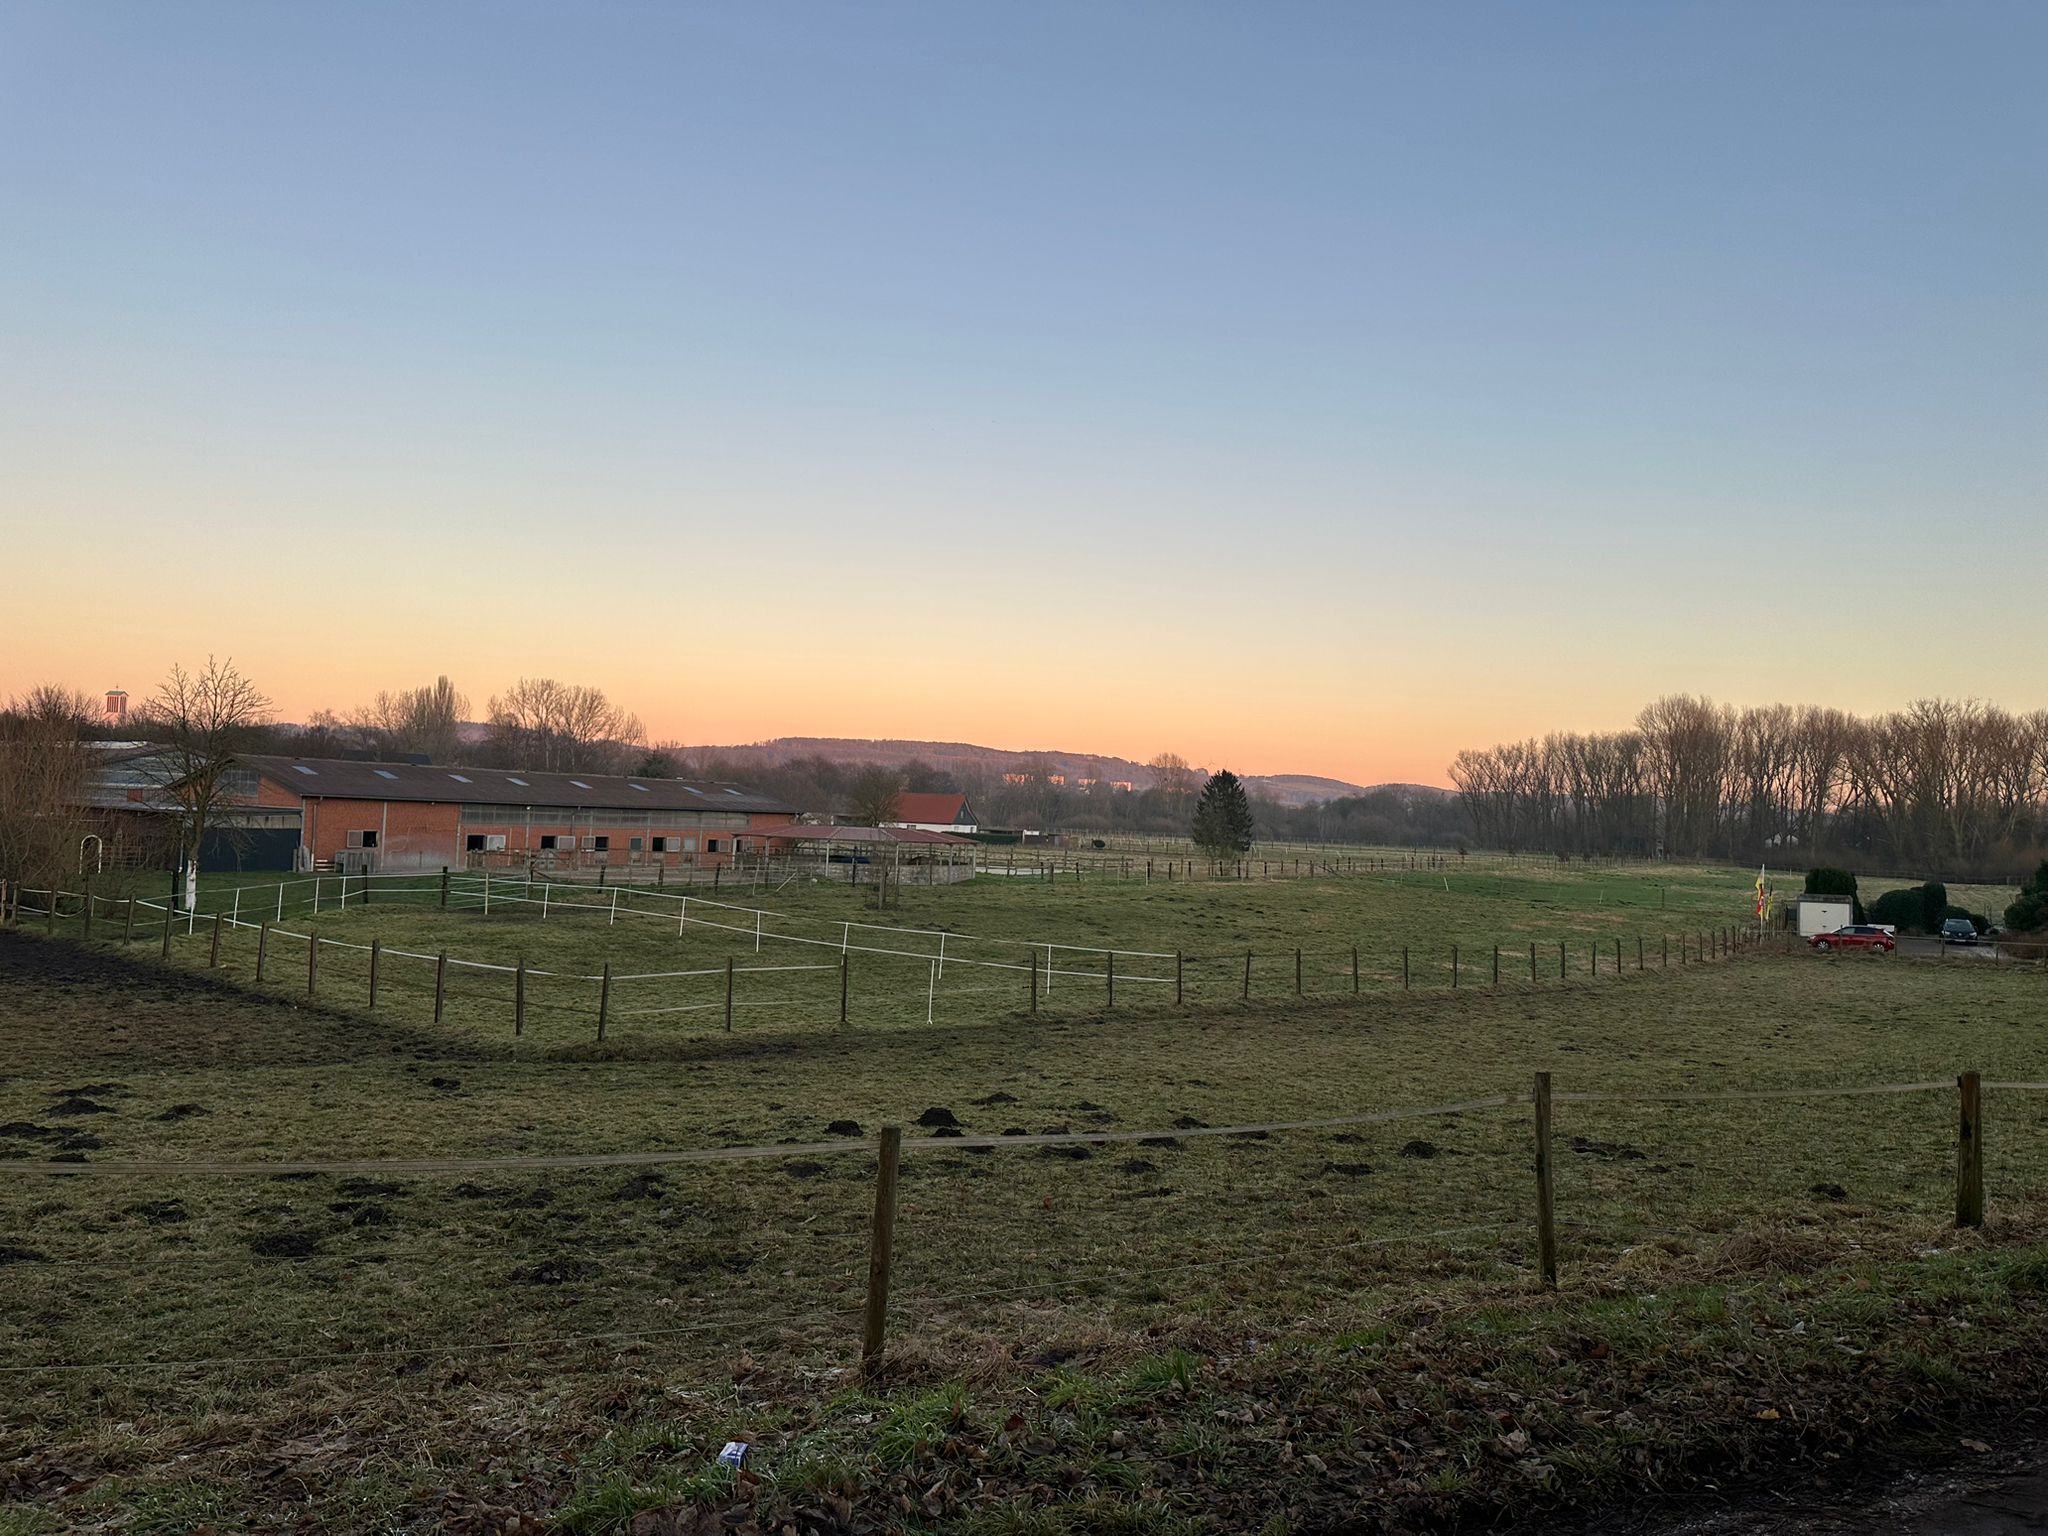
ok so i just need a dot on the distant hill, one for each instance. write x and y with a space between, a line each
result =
988 762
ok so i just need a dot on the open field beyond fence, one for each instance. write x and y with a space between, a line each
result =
565 1272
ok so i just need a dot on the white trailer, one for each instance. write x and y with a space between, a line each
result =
1824 914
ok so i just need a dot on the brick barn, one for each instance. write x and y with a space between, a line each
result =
400 817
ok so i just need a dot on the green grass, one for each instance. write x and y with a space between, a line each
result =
1134 1292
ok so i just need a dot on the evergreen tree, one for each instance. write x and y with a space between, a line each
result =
1223 817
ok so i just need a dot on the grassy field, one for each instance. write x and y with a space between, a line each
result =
1190 941
1186 1332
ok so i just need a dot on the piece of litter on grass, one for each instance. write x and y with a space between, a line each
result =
734 1454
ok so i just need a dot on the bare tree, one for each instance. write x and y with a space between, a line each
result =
874 796
561 727
203 720
45 767
425 720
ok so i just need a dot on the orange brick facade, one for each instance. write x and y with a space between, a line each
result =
408 835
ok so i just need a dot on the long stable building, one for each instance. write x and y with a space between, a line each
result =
394 817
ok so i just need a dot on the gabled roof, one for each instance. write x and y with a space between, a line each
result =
342 779
936 809
865 836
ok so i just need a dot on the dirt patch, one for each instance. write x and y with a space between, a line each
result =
184 1112
292 1244
158 1213
937 1115
1828 1192
803 1169
1136 1165
28 1130
11 1253
1607 1151
1189 1123
1345 1170
80 1106
989 1101
843 1128
556 1272
642 1186
1419 1149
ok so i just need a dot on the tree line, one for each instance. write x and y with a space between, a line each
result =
1948 787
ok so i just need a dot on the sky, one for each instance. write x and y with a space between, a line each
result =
1302 388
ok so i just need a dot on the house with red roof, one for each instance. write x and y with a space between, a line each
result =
935 813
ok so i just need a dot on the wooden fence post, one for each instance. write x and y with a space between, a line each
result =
85 914
881 1248
441 991
1970 1153
604 998
1454 967
1639 952
845 984
312 964
1404 967
1031 965
1179 970
728 992
1297 970
50 909
128 922
165 953
1109 973
1496 965
519 995
213 949
1560 960
1247 975
1532 962
1354 970
262 947
376 954
1546 1209
444 887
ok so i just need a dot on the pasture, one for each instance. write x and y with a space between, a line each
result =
1075 1324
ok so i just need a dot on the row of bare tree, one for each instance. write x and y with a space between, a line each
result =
536 723
1943 786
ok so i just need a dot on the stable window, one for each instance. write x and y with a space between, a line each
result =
367 839
601 844
660 844
635 844
711 845
474 843
550 841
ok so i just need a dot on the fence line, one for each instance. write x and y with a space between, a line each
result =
890 1144
464 893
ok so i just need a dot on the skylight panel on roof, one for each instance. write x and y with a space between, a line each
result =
579 784
732 792
519 781
641 787
311 773
384 773
693 789
460 778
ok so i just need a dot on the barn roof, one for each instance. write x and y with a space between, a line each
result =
867 836
938 808
342 779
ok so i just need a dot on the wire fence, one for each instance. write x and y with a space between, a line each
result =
977 1249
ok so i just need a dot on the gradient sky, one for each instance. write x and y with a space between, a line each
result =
1303 388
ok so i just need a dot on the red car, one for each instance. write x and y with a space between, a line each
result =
1858 936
